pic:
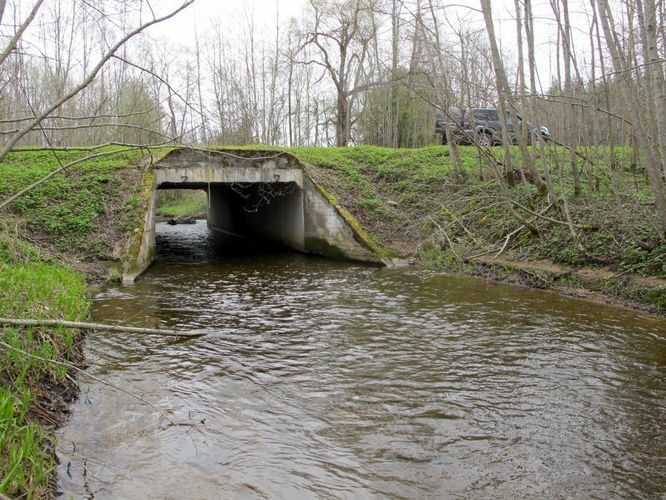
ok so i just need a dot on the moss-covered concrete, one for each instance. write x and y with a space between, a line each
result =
141 250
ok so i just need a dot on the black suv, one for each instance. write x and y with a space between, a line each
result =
482 125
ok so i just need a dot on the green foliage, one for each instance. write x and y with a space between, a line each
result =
65 210
39 290
31 288
381 187
24 467
64 213
657 297
393 191
13 248
189 203
432 257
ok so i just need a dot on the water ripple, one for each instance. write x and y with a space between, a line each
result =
329 380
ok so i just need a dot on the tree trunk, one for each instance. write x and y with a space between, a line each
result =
652 165
656 72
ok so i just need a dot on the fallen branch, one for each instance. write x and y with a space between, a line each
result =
98 326
508 237
459 222
541 215
147 147
453 250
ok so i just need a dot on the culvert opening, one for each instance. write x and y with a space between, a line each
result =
232 218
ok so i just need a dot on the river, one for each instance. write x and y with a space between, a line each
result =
323 379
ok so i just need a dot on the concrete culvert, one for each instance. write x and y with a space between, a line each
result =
265 196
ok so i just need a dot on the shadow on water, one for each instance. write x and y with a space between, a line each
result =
327 379
195 244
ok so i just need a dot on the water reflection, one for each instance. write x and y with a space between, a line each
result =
324 379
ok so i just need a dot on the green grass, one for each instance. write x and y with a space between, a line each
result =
401 196
66 210
32 286
70 215
188 203
24 468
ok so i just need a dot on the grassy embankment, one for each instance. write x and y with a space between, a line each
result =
411 202
50 240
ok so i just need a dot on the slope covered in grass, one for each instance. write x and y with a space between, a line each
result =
409 199
75 218
79 212
34 286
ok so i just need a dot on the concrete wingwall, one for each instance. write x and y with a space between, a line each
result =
331 232
254 194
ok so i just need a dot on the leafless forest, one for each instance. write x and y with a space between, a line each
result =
347 72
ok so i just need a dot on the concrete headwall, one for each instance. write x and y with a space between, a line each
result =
141 246
192 166
264 195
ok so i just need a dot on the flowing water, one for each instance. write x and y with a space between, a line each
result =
321 379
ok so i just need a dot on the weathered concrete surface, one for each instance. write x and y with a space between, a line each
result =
260 195
141 252
187 166
327 232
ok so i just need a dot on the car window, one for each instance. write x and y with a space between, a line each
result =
483 115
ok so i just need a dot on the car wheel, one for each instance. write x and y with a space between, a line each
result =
484 140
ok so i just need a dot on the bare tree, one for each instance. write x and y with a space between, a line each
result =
340 36
38 114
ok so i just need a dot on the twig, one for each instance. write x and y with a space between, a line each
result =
98 326
541 215
148 147
85 373
270 154
19 32
633 268
476 256
87 80
79 118
508 237
453 250
517 230
459 222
